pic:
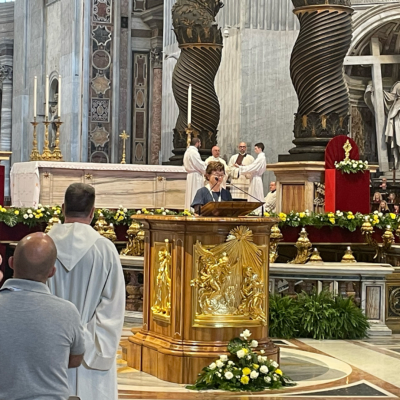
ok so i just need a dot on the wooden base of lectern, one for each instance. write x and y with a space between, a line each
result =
206 280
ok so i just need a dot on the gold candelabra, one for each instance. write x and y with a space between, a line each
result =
46 155
56 155
189 132
35 155
124 137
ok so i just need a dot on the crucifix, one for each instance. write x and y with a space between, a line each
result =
124 137
376 60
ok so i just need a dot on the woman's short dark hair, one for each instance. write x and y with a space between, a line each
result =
214 166
79 200
260 146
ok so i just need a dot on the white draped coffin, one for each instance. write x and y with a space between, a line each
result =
130 185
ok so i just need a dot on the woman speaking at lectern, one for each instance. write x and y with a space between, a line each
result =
215 173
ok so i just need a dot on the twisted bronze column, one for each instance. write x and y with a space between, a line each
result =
316 69
200 41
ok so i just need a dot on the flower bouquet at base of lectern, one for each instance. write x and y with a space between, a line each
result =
243 370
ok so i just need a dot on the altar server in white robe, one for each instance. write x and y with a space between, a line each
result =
256 170
89 274
195 168
215 151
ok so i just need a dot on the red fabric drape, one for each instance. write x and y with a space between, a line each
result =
334 151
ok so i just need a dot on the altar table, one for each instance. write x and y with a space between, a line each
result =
130 185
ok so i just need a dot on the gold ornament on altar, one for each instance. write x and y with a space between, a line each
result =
229 281
348 256
135 245
315 258
189 133
347 149
100 224
162 287
275 238
388 239
56 154
109 233
55 219
35 155
303 246
46 154
124 137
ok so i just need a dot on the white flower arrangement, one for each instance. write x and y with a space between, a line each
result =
351 166
243 369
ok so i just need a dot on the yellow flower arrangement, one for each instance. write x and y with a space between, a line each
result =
393 216
302 215
256 366
244 379
278 371
16 212
246 371
282 216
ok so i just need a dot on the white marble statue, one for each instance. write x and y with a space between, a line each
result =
392 110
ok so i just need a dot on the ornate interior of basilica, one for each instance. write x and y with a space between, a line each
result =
300 298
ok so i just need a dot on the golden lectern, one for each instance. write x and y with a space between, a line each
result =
206 280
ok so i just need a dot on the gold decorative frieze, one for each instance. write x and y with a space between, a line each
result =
162 282
229 282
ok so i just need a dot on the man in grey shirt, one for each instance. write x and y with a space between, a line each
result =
40 334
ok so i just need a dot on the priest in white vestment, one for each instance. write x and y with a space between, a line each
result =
270 199
242 181
195 168
89 274
256 170
215 151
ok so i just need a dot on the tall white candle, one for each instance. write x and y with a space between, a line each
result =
59 96
46 111
34 96
189 114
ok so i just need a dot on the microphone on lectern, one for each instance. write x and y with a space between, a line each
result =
255 198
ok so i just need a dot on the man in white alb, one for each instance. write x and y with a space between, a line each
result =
270 198
242 181
195 168
89 275
215 151
256 170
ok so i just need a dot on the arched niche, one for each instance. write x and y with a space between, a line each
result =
381 23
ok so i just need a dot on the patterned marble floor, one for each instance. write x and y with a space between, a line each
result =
323 370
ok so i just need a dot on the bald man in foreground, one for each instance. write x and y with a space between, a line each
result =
41 334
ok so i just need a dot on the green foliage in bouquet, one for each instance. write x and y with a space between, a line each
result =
242 370
351 166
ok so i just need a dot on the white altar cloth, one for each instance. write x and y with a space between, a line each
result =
131 185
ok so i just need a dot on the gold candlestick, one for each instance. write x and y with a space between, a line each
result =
46 155
35 155
189 133
124 137
57 156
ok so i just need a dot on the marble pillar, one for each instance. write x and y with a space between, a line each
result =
155 146
6 72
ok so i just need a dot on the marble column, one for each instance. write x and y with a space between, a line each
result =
155 140
6 71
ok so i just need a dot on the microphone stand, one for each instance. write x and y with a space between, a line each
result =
255 198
